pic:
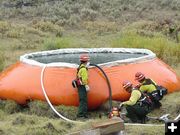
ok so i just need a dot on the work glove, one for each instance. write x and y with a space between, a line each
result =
87 88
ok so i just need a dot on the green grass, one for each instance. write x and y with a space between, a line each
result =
57 43
2 59
37 118
142 130
164 48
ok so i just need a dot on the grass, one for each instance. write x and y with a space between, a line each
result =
164 48
141 130
57 43
37 118
2 59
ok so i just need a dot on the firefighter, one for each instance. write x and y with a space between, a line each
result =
82 85
148 86
138 105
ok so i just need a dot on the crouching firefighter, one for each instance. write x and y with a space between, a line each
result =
138 105
81 82
154 91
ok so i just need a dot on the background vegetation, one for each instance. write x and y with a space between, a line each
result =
35 25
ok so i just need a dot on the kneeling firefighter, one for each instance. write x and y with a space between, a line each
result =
148 86
138 105
81 82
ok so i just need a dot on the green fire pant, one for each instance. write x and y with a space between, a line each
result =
137 113
83 106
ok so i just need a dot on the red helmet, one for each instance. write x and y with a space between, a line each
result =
139 76
127 84
84 57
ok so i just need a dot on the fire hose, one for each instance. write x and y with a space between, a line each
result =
109 85
49 102
52 107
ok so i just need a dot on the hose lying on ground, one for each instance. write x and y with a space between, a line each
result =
49 102
52 107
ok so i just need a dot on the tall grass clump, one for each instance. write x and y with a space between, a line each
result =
164 49
4 26
46 26
40 108
2 59
11 107
57 43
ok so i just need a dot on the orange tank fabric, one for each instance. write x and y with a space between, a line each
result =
21 82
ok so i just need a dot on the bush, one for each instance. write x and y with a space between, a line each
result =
88 14
4 26
13 34
73 20
101 27
46 26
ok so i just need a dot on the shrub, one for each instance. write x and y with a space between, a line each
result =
46 26
88 14
73 20
4 26
101 27
34 31
13 34
94 5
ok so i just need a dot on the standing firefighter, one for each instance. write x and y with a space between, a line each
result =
138 105
82 85
148 86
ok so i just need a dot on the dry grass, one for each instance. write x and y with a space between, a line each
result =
145 130
39 119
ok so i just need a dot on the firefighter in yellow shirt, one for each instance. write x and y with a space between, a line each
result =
138 105
82 85
150 87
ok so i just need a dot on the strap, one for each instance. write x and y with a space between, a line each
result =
80 67
149 81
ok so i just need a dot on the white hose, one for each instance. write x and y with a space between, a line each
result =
66 119
178 117
47 99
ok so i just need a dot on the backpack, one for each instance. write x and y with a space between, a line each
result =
160 91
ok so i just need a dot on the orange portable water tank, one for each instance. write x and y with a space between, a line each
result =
22 81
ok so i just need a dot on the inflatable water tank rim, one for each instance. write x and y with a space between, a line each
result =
26 57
